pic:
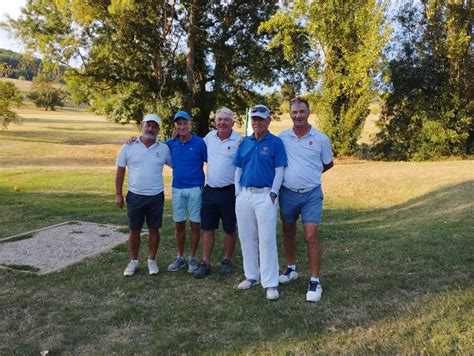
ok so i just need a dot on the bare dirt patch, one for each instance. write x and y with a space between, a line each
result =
56 247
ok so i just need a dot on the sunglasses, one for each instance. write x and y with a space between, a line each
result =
299 99
259 109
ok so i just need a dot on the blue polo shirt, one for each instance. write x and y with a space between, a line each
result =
188 159
258 160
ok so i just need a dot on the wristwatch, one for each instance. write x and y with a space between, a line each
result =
273 195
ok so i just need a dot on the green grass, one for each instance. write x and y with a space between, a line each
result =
397 269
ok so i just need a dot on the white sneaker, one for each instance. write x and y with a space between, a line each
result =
131 268
288 276
152 267
315 291
272 293
246 284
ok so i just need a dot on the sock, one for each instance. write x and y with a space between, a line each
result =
150 260
293 267
134 261
315 279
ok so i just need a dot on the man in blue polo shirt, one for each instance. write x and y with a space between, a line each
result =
145 198
309 155
260 162
188 154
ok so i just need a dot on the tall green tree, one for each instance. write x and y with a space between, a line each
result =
346 39
9 97
428 110
156 55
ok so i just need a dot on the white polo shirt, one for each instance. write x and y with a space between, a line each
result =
145 166
306 156
220 153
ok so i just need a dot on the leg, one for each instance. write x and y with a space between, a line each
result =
154 218
195 237
289 241
289 214
311 217
266 213
247 225
153 242
178 203
207 245
134 243
229 245
229 221
180 236
314 248
194 208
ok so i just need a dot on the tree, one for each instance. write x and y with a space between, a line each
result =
428 110
78 92
9 96
156 55
44 92
346 39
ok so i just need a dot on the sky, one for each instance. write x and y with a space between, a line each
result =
11 8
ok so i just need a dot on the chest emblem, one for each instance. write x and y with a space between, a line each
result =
311 143
264 149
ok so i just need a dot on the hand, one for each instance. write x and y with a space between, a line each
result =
175 134
273 197
130 140
119 200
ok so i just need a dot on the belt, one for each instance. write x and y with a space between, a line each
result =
303 190
257 190
222 188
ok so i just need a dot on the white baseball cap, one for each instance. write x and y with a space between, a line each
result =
260 111
152 117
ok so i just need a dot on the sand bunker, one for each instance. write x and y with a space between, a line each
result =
59 246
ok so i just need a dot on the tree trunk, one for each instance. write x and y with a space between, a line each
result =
193 12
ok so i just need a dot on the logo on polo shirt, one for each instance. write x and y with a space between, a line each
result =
157 154
228 147
310 143
264 149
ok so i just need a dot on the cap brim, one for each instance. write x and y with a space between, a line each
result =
261 115
153 121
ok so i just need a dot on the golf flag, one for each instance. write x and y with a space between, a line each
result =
248 127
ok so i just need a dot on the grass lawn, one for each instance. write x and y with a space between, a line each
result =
398 266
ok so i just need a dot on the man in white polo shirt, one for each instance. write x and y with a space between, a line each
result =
145 198
309 155
218 196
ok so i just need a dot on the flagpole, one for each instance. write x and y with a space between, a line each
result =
246 121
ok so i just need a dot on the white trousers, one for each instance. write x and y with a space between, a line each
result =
257 222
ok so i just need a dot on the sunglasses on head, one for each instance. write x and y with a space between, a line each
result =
259 109
299 98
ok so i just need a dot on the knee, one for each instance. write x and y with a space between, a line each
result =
312 240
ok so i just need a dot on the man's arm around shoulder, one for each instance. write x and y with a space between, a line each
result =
328 166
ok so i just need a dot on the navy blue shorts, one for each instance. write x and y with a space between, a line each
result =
218 204
141 206
309 205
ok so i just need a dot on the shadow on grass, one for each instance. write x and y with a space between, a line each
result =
378 265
